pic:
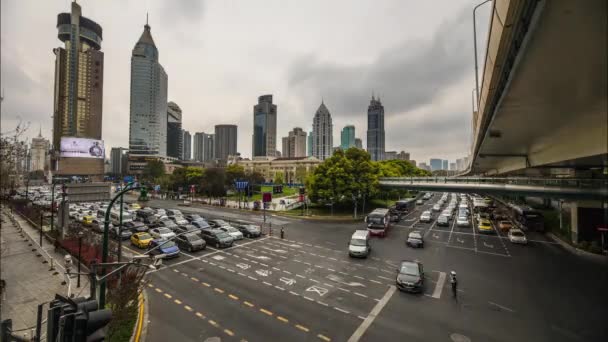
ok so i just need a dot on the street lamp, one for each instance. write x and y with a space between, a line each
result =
80 235
475 48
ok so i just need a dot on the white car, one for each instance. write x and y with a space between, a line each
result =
462 221
235 233
443 220
179 220
436 207
426 217
162 233
517 236
447 213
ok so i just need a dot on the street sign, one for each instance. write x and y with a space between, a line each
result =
192 188
87 192
267 197
602 228
241 185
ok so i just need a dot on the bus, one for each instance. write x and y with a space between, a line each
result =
405 206
378 222
527 217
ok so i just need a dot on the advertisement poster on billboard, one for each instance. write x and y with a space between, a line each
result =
82 148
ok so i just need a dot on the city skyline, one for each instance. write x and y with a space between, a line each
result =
295 91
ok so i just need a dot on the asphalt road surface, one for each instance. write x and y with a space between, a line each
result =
306 288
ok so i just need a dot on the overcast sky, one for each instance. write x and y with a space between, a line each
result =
221 55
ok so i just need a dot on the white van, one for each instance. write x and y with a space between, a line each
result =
358 246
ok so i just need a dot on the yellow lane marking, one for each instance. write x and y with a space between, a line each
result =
187 308
218 290
323 337
177 301
205 284
248 304
200 315
213 323
303 328
228 332
269 313
168 295
194 279
233 297
282 319
175 270
150 285
184 274
158 290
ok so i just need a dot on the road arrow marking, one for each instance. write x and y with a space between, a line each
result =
287 281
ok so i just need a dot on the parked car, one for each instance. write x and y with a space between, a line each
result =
187 228
174 212
218 223
98 225
168 248
179 220
87 220
463 221
419 202
190 242
484 227
235 233
517 236
414 239
134 206
410 276
248 230
505 225
123 234
162 233
167 224
426 216
217 238
161 212
443 220
141 240
136 226
193 217
436 207
202 224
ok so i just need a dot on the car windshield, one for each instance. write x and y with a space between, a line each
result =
164 230
223 235
192 237
373 219
516 233
145 237
166 244
357 242
221 222
409 269
415 235
169 224
231 230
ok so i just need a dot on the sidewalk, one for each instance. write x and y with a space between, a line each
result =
26 270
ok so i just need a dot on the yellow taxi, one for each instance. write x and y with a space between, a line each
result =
141 240
87 220
135 206
484 226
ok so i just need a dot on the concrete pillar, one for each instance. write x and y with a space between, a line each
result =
574 221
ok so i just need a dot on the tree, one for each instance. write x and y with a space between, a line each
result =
301 174
234 172
254 177
213 182
153 170
330 181
12 152
278 178
38 174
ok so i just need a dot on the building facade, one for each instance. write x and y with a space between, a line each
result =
309 145
264 140
78 93
187 141
118 161
322 133
293 170
226 141
375 129
436 164
148 108
358 143
444 164
204 147
175 142
347 137
39 153
423 166
294 144
390 155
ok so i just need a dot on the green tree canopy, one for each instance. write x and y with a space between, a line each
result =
278 178
153 170
234 172
213 182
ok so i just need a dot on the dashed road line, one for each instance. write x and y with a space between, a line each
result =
248 304
303 328
187 308
308 298
206 284
178 302
279 288
168 295
269 313
324 304
385 278
324 338
266 283
282 319
218 290
360 294
231 296
252 278
228 332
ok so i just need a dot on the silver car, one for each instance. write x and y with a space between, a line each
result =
463 221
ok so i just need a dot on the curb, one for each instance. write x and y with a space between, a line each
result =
141 326
577 251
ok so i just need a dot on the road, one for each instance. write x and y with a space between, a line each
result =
306 288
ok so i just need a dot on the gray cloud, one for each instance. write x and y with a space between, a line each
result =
407 76
177 12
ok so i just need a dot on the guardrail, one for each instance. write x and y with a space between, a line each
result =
557 182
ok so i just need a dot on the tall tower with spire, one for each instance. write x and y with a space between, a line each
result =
148 108
322 133
375 129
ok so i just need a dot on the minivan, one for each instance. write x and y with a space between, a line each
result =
359 246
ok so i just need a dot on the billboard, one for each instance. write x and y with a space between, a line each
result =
81 148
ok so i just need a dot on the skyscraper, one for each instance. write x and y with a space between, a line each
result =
39 151
118 161
187 150
175 138
78 95
375 129
264 127
322 133
444 165
358 143
204 147
226 141
436 164
294 144
309 145
148 117
347 137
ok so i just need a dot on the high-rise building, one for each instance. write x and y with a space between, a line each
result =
226 141
118 161
187 150
78 95
204 147
444 165
460 164
390 155
452 166
148 111
358 143
436 164
309 145
39 151
347 137
423 166
264 140
175 138
294 144
375 129
403 155
322 133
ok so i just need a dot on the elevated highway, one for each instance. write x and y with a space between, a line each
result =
542 101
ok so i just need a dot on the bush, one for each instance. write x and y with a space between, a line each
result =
595 247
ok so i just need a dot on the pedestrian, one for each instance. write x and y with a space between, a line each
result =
282 233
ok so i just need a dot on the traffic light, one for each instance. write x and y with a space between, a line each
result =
76 320
90 322
302 191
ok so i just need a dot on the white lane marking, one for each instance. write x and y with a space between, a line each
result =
280 288
310 299
301 276
252 278
266 283
313 280
502 307
293 293
375 281
439 285
286 272
345 290
372 315
241 274
360 294
359 277
384 278
324 304
341 310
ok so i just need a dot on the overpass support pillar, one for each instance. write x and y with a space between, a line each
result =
585 218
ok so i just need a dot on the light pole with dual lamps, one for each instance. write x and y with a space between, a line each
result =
80 235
